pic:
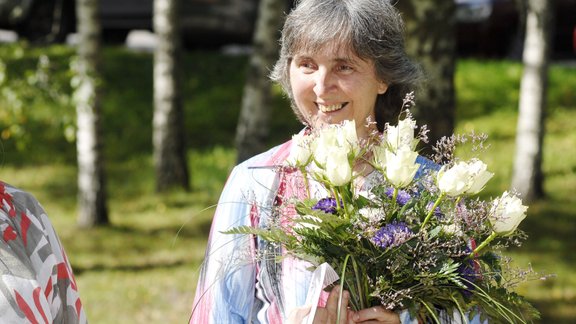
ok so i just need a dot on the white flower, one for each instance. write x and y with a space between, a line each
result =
372 214
333 148
379 156
350 137
479 176
453 181
506 214
401 166
300 152
324 143
463 178
452 229
402 135
337 168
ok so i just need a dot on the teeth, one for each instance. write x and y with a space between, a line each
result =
329 108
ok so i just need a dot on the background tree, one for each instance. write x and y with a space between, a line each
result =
527 177
91 179
253 124
168 128
431 41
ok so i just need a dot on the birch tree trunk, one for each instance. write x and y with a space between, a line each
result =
91 179
254 121
527 177
168 127
431 41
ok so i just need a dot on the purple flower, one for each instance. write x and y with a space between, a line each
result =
402 198
327 205
392 235
437 211
468 273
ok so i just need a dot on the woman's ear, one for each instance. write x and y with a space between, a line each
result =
382 88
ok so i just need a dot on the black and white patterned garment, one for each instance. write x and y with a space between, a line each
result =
37 284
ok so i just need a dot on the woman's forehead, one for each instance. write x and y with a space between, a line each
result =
328 48
331 50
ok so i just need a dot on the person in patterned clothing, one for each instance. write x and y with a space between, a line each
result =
37 284
339 60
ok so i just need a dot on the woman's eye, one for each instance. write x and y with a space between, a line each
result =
345 68
306 66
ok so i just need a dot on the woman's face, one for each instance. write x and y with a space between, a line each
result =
330 86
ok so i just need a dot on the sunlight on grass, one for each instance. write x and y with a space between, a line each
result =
144 266
550 224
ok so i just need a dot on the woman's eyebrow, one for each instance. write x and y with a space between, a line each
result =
348 60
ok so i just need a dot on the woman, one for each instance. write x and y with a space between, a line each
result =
340 60
37 284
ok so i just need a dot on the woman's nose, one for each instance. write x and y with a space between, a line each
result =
324 82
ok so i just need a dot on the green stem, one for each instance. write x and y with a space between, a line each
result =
342 286
306 184
360 288
483 245
337 197
340 203
458 201
432 209
395 196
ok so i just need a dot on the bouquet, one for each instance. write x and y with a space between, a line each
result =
414 236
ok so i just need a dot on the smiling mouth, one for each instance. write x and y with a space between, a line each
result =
330 108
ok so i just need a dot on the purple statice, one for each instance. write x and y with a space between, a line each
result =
392 235
468 272
327 205
437 211
402 198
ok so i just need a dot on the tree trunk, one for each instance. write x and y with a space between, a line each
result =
91 178
431 40
168 138
527 177
254 122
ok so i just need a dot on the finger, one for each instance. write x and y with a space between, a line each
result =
378 314
332 305
297 315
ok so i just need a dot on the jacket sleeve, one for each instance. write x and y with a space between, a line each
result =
37 283
226 285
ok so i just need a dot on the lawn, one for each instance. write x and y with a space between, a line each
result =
143 267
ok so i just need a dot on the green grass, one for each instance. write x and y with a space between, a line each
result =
143 268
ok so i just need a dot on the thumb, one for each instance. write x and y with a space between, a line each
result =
298 314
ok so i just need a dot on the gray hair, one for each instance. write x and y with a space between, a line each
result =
372 29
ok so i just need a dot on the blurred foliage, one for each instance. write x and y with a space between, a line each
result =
145 265
485 87
35 100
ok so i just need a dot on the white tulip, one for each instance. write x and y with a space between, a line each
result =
453 181
479 176
506 214
402 135
463 178
300 152
349 137
324 142
337 168
401 166
379 156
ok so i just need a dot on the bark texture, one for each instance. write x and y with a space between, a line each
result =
431 41
168 139
254 121
92 193
527 177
